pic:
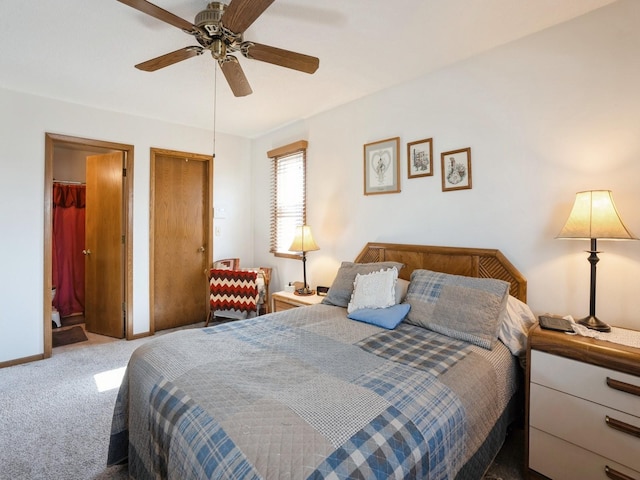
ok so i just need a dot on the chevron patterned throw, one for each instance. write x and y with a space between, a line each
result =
233 290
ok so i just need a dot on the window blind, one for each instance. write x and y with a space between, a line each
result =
288 195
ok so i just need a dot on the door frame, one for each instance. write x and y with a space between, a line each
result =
53 140
208 159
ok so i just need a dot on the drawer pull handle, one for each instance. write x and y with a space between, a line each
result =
622 426
616 475
623 386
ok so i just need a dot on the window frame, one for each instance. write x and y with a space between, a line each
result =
281 153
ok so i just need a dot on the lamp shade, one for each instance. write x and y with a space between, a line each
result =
594 215
303 240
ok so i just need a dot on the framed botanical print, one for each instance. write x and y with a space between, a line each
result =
381 167
456 169
420 158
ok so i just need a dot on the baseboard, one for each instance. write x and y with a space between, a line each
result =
140 335
20 361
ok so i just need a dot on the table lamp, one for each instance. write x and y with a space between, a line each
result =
594 216
303 242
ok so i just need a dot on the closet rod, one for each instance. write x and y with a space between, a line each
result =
69 182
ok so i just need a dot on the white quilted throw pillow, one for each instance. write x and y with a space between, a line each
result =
374 290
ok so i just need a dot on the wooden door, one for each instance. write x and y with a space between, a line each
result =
180 237
104 245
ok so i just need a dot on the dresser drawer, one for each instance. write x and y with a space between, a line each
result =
561 460
585 381
279 306
583 423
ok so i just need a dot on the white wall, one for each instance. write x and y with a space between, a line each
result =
24 119
545 117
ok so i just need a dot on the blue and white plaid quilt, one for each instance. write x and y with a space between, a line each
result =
307 394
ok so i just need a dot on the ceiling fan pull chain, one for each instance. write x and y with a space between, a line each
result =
215 101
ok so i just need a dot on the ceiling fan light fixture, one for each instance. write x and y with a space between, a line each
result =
218 49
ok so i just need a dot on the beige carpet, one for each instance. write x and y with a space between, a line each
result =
55 418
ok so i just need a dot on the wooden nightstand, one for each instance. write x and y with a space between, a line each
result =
583 408
285 300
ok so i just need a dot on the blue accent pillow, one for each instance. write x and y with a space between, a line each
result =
388 318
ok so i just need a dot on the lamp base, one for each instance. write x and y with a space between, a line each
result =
304 292
593 323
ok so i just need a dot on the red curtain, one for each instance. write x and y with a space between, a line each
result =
68 243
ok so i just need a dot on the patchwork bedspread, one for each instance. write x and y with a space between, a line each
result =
309 394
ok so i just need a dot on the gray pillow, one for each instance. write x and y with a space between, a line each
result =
465 308
342 287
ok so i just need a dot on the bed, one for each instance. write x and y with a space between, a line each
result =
311 393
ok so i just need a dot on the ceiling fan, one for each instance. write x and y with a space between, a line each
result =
219 28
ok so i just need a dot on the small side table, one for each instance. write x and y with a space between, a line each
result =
583 408
285 300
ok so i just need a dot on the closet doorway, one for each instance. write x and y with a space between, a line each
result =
181 242
105 281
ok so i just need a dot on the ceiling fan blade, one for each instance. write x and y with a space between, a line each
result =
278 56
240 14
235 76
169 59
160 13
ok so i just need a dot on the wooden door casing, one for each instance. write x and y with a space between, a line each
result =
53 140
180 239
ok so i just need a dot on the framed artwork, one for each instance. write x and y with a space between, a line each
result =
456 169
420 158
381 167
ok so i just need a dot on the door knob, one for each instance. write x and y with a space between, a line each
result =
86 252
201 249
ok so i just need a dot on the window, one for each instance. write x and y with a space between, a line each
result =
288 195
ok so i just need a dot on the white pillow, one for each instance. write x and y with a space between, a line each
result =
374 290
517 319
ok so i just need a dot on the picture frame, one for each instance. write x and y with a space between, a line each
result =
381 167
456 169
420 158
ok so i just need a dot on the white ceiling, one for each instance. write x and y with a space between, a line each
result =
84 51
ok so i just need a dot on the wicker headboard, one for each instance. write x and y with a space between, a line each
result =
470 262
